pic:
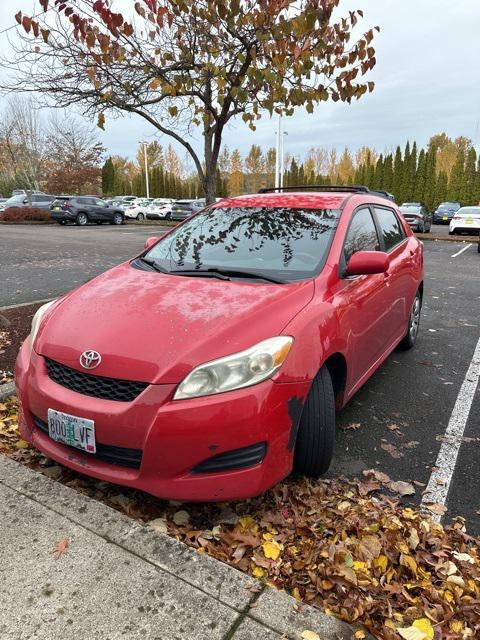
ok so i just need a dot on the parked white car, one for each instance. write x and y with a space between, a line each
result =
160 209
466 220
137 210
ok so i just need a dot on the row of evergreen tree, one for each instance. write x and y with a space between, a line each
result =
162 184
445 171
409 176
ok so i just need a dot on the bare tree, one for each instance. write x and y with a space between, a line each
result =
23 140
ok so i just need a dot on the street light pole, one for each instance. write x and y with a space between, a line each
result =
147 181
282 163
277 152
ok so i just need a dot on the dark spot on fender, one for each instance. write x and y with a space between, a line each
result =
212 447
295 408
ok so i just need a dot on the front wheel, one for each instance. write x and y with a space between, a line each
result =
316 433
140 217
117 218
413 323
82 219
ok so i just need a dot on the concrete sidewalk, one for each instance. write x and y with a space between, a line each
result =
118 579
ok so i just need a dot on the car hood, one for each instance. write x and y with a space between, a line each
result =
155 328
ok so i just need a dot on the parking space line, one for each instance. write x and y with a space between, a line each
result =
439 483
462 250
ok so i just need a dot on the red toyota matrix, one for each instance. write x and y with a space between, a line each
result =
211 366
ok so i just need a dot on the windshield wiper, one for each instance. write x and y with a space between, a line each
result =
209 273
227 273
154 264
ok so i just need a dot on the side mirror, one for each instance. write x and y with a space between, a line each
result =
149 242
368 262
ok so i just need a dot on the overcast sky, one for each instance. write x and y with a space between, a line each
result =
427 81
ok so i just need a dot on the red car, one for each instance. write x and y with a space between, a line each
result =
211 366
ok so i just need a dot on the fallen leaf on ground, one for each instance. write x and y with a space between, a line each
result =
181 517
420 630
391 449
310 635
437 508
403 488
159 525
60 548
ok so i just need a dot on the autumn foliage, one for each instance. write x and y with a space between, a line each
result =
187 65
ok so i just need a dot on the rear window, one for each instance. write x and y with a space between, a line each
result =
449 206
410 208
291 244
467 212
392 230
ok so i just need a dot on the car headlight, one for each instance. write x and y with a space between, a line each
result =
236 371
37 319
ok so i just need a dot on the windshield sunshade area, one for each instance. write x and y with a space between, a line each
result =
280 243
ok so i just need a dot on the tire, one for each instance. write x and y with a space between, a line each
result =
117 218
61 222
168 216
413 324
140 217
316 433
82 219
478 246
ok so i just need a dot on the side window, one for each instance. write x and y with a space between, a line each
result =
392 230
362 234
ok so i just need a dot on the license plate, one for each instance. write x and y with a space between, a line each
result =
469 220
445 218
72 430
57 208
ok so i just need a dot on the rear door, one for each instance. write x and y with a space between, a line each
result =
102 210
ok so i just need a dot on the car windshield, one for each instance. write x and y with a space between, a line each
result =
280 242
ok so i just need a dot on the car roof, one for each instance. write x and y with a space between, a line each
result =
297 199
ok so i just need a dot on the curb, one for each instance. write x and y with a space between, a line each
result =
7 390
428 236
25 304
279 614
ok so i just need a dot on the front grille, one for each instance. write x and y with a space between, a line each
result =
121 456
233 460
95 386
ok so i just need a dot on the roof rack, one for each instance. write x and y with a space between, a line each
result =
328 188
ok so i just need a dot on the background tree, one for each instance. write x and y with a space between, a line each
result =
154 155
108 177
235 181
74 154
23 142
201 63
254 167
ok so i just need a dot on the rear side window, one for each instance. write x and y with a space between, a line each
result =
392 230
362 234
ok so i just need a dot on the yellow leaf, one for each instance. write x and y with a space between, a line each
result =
258 572
359 635
310 635
456 626
421 629
21 444
296 594
425 626
271 549
381 562
246 522
408 561
357 565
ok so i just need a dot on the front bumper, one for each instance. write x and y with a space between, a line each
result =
174 437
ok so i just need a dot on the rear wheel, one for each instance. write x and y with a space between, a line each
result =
140 217
82 219
413 323
316 433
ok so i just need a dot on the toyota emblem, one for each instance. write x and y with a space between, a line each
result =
90 359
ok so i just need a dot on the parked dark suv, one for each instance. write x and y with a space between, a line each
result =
85 209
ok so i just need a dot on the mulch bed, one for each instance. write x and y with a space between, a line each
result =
348 547
14 328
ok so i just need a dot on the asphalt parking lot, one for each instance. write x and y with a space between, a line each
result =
396 423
